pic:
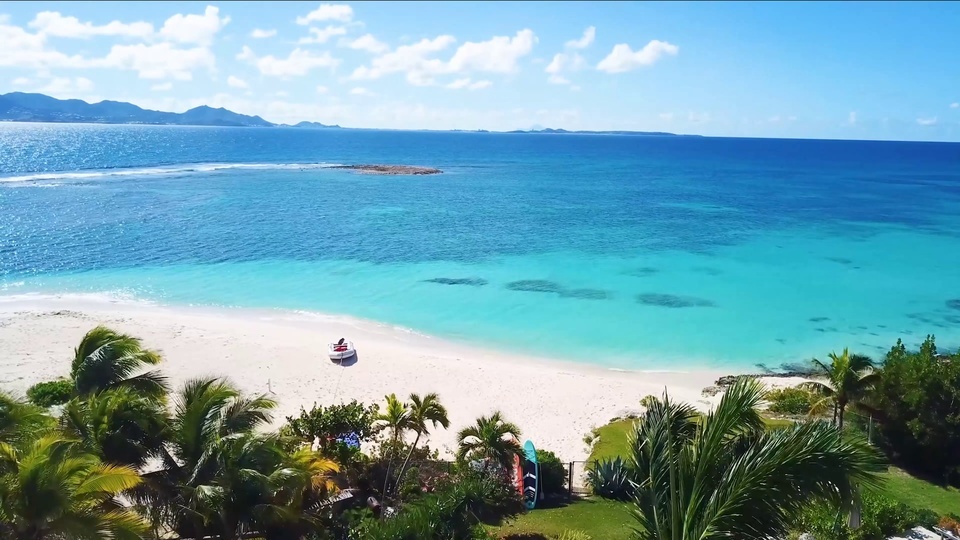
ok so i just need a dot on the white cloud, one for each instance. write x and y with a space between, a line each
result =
574 88
322 35
62 86
499 54
283 94
327 12
262 34
469 84
162 87
52 23
407 58
24 49
955 105
622 58
159 61
667 116
852 118
322 89
236 82
496 55
361 91
698 118
563 62
21 81
588 35
367 43
298 63
927 121
192 28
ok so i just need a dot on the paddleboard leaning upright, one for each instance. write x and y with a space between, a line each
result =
531 476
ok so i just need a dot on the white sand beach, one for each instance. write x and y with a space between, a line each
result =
555 403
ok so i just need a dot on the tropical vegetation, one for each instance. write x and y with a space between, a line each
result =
123 454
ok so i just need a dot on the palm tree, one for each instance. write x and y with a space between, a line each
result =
424 410
723 476
396 418
20 421
105 360
211 430
848 377
118 425
492 439
52 489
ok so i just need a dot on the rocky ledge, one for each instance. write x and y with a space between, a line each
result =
389 169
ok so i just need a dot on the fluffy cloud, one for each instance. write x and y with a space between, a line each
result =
20 81
322 35
327 12
159 61
52 23
322 89
162 87
198 29
361 91
24 49
236 82
411 59
499 54
588 35
262 34
563 62
955 105
367 43
298 63
852 118
569 61
469 84
622 58
496 55
927 121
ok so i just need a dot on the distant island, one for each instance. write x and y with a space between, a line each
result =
27 107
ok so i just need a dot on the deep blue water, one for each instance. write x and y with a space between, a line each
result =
647 252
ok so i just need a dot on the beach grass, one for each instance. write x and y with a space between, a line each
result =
599 518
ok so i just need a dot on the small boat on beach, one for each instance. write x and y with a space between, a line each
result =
341 349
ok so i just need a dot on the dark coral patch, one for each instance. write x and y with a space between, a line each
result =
953 303
586 294
818 319
535 285
840 260
472 282
643 271
673 301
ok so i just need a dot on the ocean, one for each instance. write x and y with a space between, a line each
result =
652 253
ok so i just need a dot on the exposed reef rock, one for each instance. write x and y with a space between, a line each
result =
389 170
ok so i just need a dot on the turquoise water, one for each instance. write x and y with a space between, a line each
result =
648 253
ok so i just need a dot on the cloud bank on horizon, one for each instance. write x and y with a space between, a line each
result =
722 69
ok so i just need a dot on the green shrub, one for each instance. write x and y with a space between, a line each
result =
610 479
553 473
880 517
649 401
791 400
50 393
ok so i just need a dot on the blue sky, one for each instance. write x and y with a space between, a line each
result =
883 70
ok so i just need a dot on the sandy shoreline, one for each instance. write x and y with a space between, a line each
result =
555 403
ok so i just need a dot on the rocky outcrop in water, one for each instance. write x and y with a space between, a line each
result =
390 170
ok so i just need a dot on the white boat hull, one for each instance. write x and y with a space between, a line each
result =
340 355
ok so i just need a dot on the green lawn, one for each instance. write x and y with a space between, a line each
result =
599 518
913 491
614 438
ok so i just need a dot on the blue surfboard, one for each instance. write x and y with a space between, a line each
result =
531 476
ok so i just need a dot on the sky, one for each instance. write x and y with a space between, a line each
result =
839 70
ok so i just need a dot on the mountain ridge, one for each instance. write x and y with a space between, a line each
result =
35 107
